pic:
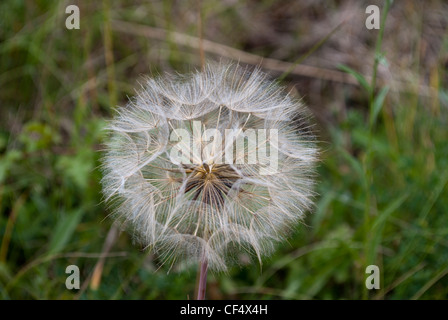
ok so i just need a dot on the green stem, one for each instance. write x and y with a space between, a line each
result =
368 160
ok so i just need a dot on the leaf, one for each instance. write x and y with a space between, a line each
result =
321 209
442 273
77 168
378 104
64 231
382 60
6 163
361 79
377 228
354 163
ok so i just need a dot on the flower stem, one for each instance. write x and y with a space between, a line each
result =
202 280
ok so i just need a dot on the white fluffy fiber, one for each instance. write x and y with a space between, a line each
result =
156 199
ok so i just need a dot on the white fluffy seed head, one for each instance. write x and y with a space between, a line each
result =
204 208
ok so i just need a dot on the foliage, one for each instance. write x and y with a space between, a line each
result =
382 190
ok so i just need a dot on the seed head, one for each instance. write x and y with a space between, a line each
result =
207 165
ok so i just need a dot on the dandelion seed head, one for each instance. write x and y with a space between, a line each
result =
220 201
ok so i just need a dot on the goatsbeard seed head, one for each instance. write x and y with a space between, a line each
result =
207 205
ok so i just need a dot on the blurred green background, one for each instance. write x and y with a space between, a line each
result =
379 99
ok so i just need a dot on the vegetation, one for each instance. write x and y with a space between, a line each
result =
379 99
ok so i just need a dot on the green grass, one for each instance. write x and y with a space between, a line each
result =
382 182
